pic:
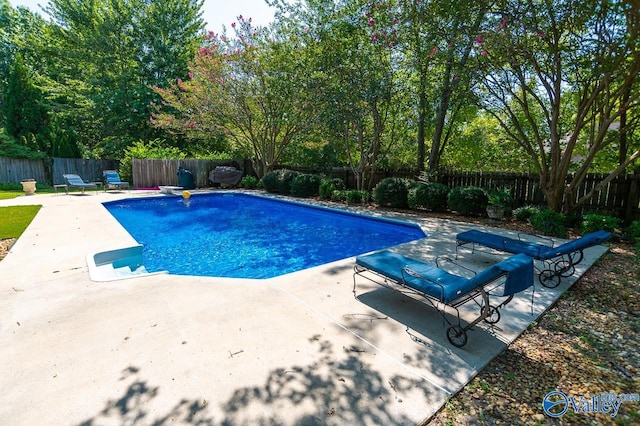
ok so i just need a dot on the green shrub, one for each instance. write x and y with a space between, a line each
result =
285 179
392 192
249 182
573 220
633 231
596 222
500 197
270 182
525 212
279 181
431 196
549 222
355 196
327 186
467 200
339 195
156 149
12 186
305 185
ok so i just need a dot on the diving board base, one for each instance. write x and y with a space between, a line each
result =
165 189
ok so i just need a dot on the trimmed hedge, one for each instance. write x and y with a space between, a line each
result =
467 200
633 231
250 182
549 222
327 186
524 213
392 192
339 195
596 222
279 181
431 196
355 196
305 185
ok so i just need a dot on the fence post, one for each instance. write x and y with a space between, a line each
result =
633 199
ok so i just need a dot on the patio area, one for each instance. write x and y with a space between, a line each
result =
295 349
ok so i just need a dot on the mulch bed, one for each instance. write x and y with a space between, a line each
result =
586 344
4 247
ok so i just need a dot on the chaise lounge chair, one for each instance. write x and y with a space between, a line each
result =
77 182
441 288
558 261
112 180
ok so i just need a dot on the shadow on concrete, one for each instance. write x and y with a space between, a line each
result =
336 387
449 367
420 315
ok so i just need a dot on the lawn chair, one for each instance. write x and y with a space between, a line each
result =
112 180
76 181
441 288
558 261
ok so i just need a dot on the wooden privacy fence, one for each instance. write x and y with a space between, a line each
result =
50 170
89 170
14 170
620 198
349 178
152 173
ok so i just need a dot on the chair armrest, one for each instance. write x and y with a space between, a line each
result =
415 274
458 264
535 236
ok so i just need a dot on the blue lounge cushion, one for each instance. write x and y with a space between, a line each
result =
113 178
75 180
533 249
445 286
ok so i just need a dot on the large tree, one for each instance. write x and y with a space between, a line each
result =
559 76
438 38
352 79
22 33
116 50
250 88
26 116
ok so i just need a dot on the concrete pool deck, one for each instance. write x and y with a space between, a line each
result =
295 349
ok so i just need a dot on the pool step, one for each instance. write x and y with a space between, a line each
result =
118 264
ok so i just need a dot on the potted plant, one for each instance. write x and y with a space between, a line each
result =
29 186
499 200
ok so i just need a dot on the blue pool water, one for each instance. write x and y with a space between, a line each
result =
246 236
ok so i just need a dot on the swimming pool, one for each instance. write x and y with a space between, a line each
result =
240 235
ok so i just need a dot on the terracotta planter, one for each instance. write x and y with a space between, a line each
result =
29 186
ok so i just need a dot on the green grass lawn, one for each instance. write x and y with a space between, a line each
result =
15 219
5 195
13 190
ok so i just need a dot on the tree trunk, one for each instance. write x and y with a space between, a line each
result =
445 95
554 191
632 199
422 113
624 147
